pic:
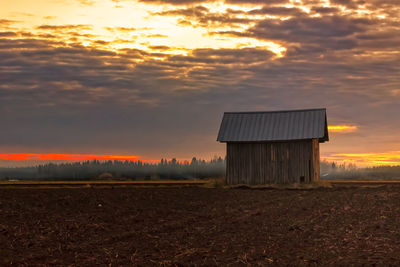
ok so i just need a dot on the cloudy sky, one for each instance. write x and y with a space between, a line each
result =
151 78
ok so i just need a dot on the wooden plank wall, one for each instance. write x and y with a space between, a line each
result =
273 162
316 159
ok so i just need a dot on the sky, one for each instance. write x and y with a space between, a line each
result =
151 79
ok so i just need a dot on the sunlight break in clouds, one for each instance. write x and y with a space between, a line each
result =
342 128
128 24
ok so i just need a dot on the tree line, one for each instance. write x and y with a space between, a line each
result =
333 170
172 169
95 169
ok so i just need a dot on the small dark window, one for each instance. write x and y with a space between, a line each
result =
302 179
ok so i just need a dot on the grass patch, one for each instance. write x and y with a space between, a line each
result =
215 183
295 186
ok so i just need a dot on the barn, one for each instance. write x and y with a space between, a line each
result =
274 147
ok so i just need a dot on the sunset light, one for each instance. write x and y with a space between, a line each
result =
122 25
342 128
391 158
66 157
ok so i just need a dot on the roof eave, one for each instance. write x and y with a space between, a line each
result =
321 140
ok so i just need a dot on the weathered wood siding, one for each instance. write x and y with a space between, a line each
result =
316 165
272 162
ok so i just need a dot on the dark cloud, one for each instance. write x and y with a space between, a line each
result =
278 11
7 22
348 3
201 16
101 42
381 3
196 11
8 25
160 47
8 34
325 10
307 29
304 34
356 4
64 27
121 29
226 56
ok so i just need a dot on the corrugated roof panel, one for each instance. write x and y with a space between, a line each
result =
294 122
308 125
250 127
256 133
273 126
317 121
286 127
243 122
300 130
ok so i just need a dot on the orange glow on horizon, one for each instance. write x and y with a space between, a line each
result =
360 159
366 159
81 157
342 128
65 157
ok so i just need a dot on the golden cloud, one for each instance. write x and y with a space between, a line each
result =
342 128
366 159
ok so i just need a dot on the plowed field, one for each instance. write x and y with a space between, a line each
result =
199 226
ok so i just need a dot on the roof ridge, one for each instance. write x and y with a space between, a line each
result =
275 111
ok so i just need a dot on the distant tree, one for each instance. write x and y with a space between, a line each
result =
351 166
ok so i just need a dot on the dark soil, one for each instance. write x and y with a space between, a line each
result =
199 226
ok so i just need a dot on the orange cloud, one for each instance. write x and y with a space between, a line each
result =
342 128
66 157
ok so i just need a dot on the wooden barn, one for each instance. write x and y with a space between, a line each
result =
273 147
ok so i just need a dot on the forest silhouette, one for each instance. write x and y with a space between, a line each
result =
172 170
95 169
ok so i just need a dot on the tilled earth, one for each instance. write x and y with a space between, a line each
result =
199 226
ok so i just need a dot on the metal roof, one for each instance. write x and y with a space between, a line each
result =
274 126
